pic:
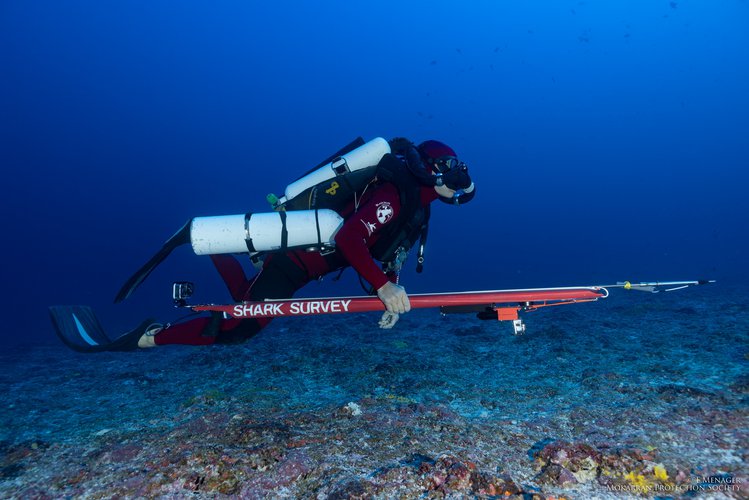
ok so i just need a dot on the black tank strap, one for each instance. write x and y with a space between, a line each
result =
247 238
346 149
284 230
317 226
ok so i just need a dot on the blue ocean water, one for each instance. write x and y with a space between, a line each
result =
607 139
608 142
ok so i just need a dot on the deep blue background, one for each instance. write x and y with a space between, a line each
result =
609 140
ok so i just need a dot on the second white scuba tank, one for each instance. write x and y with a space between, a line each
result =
264 232
366 155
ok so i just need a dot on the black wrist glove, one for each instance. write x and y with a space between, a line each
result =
399 145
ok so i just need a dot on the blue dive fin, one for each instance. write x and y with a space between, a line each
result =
79 329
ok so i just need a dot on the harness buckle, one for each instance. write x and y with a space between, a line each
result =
326 250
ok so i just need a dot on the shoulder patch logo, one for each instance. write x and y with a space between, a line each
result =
370 227
384 212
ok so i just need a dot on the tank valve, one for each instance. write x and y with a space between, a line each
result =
272 199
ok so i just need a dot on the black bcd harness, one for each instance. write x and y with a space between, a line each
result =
397 238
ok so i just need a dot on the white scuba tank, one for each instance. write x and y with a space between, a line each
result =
366 155
264 232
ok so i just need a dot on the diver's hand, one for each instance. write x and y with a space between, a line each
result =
394 297
388 320
456 178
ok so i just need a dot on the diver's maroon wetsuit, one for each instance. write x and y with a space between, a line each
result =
285 273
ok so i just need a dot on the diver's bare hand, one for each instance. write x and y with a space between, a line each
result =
394 297
388 320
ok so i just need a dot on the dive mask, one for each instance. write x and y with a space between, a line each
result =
453 173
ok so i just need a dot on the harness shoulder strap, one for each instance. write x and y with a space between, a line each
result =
408 226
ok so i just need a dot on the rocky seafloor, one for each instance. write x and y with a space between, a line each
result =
635 396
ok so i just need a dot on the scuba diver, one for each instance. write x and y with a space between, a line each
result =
380 223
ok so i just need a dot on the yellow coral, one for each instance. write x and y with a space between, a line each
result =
660 473
638 481
399 399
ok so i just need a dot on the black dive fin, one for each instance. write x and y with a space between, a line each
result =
181 237
79 329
